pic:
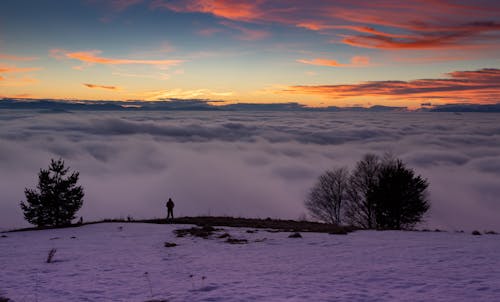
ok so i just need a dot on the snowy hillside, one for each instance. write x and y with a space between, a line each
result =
129 262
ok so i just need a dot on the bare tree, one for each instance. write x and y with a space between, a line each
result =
325 199
359 208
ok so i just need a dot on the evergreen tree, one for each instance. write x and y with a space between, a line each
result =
56 199
399 196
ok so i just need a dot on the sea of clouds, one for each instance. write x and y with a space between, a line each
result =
252 164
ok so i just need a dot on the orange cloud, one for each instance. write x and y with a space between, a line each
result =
101 86
92 57
480 86
322 62
16 82
9 69
356 61
4 56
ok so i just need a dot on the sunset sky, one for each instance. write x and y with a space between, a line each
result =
317 53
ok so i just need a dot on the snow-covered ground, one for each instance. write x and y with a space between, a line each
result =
129 262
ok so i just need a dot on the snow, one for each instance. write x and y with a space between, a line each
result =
109 261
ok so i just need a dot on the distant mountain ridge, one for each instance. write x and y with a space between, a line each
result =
210 105
172 105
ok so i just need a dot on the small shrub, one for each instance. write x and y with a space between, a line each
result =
491 233
3 299
170 244
51 254
4 236
295 235
476 233
225 235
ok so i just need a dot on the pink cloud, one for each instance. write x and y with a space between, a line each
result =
228 9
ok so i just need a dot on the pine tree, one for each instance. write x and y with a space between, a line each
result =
56 199
400 196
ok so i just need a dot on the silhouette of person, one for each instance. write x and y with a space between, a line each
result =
170 208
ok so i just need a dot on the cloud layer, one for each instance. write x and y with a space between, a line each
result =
248 163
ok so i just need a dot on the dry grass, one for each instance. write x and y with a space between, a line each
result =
50 256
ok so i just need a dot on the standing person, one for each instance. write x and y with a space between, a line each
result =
170 208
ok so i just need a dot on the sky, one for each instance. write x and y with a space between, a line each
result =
316 53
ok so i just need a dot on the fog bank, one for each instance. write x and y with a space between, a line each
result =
252 164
